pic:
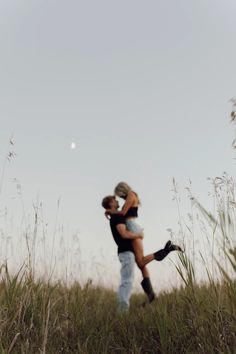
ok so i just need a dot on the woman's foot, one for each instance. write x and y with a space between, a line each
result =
147 287
171 247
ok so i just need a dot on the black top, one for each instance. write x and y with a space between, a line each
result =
132 212
123 244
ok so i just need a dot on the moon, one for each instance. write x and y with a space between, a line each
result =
73 146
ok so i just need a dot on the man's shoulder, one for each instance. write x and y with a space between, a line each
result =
117 219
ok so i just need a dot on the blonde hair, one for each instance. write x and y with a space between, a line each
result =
123 189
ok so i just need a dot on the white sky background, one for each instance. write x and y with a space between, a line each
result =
142 88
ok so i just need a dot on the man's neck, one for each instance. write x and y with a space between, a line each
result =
113 210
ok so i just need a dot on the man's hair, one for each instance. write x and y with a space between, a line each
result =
107 200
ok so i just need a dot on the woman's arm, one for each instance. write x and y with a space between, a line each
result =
128 203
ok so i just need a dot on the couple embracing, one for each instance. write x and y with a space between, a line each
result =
128 236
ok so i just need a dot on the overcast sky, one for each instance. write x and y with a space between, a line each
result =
141 87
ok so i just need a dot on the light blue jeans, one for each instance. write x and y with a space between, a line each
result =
127 261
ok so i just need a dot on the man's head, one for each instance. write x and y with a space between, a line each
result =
110 203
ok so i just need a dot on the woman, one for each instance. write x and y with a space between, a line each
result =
130 211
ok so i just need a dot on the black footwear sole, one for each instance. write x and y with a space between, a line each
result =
177 248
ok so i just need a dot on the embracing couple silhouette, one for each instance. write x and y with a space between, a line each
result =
128 236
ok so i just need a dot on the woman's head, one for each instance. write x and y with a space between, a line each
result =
122 190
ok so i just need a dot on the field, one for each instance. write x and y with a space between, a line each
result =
37 317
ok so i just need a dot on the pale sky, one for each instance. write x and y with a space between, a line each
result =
141 88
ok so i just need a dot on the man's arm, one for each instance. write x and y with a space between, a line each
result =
121 228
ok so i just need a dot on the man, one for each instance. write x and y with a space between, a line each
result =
123 239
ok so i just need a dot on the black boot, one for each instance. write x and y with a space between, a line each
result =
161 254
169 247
147 287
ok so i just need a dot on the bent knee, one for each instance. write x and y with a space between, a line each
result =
139 262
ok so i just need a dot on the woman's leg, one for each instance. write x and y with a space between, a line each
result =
138 250
141 260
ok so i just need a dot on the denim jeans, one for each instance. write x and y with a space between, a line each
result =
132 226
127 261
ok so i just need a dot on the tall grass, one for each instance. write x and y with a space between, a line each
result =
39 317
